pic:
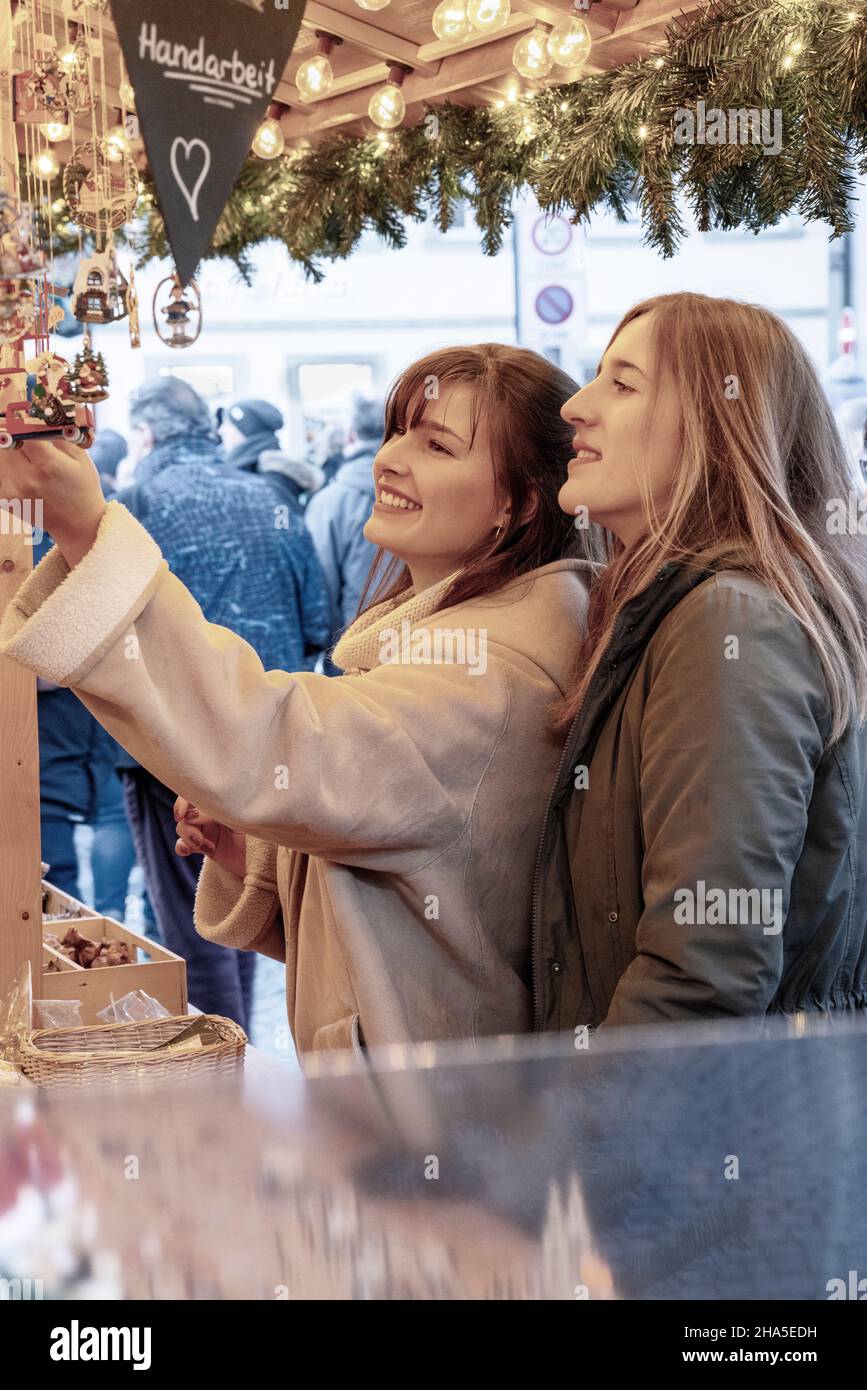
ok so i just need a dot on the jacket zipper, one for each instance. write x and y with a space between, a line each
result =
534 924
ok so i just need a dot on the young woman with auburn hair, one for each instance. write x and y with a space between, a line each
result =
384 822
705 846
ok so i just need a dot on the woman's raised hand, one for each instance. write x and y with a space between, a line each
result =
198 835
62 479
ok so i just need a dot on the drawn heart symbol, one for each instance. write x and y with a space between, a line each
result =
191 194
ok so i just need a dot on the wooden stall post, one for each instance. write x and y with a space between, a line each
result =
20 871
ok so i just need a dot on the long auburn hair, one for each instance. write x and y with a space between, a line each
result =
761 466
518 395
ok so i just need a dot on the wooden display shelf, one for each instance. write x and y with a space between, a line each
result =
161 973
23 904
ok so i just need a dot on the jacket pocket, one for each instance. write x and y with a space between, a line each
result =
342 1035
357 1040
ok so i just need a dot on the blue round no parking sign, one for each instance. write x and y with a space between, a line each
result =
554 304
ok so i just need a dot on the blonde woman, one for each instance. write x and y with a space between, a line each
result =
377 830
705 846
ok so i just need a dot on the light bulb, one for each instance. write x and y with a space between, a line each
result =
116 143
126 93
269 140
387 107
55 130
46 165
531 57
450 20
569 43
372 4
315 77
68 56
488 14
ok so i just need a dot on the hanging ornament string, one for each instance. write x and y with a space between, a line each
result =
98 169
127 122
79 150
125 96
127 108
50 274
30 224
103 115
74 136
103 73
28 50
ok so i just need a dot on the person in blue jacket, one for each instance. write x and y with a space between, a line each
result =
336 515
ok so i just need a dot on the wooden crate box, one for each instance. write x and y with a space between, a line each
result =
158 971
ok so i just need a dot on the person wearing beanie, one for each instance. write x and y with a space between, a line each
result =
249 433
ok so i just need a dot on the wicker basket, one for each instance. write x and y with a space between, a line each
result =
118 1054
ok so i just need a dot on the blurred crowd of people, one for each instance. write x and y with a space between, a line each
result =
270 546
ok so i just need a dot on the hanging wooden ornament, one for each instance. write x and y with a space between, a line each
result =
100 292
100 184
10 212
134 324
18 257
89 376
53 399
19 260
183 316
20 270
60 80
18 310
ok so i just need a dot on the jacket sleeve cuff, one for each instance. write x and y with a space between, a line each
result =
61 622
244 914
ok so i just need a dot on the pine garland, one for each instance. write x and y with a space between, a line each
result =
595 144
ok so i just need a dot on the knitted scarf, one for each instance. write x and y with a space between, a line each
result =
359 648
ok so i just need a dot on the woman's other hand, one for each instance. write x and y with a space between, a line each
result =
198 835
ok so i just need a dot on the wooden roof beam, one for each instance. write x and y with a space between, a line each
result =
367 37
464 69
516 25
596 18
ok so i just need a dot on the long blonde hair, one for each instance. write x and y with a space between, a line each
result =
761 467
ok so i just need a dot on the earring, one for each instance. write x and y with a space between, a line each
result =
497 532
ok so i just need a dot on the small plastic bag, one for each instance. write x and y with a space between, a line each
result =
16 1013
136 1007
58 1013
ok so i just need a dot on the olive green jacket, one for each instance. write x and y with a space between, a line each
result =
704 852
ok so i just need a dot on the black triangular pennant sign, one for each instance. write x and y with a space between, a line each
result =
204 72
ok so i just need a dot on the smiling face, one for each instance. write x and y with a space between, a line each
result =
435 489
627 423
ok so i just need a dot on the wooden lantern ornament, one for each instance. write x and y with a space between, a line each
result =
182 314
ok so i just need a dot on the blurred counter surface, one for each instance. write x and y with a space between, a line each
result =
712 1162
